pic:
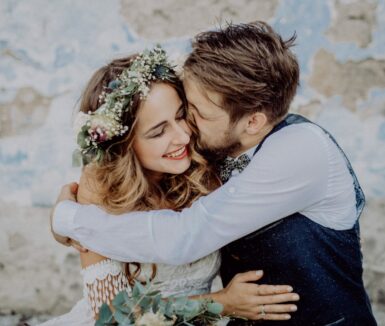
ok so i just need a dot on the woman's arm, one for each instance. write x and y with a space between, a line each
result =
103 278
90 258
241 298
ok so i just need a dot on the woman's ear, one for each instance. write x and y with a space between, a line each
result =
256 123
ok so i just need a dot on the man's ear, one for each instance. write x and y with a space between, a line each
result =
256 122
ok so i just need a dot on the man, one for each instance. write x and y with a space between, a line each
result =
291 182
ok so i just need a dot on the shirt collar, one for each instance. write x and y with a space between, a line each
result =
249 152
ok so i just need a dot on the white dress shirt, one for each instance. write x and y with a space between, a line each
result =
298 169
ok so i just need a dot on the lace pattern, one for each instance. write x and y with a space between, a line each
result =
188 279
102 282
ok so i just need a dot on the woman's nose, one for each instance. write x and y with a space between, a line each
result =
182 133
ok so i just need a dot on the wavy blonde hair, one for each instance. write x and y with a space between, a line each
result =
120 182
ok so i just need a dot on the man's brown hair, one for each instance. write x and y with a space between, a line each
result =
249 65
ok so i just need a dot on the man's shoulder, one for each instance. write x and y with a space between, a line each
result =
301 133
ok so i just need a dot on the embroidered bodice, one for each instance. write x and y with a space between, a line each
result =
102 281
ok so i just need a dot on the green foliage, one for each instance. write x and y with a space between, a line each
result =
145 302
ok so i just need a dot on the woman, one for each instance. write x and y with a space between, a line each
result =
138 154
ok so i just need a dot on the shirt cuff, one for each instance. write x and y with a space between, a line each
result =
63 222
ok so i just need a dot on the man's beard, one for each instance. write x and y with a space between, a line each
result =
214 154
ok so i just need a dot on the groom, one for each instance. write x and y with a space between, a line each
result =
290 195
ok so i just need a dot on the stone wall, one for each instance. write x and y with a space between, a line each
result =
48 50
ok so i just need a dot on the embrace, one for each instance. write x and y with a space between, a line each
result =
189 176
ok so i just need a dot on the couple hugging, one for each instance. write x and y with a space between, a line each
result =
191 176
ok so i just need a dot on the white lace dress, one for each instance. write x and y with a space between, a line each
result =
104 280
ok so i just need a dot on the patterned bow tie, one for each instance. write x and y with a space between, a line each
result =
230 164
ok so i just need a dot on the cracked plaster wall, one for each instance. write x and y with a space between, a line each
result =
46 56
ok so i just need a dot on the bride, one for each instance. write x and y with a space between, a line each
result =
139 154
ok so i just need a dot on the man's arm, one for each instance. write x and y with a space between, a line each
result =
68 192
285 177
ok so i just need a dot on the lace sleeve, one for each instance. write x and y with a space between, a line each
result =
102 282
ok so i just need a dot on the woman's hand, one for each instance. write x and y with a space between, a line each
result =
241 298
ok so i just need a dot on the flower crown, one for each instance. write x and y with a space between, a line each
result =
95 128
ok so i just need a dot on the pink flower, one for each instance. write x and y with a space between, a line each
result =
98 134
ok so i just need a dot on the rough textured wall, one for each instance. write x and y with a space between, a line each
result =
48 50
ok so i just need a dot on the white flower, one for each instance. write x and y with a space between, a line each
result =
80 121
103 124
151 319
178 59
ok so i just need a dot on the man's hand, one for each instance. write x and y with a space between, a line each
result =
68 192
252 301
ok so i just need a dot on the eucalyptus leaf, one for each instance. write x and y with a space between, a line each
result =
105 316
156 303
81 139
168 309
138 288
126 308
215 308
145 303
120 299
154 293
76 158
122 318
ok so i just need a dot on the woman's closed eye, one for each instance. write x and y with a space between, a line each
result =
180 115
159 133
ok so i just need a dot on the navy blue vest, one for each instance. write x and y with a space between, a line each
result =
323 265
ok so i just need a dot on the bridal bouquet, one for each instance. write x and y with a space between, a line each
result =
145 307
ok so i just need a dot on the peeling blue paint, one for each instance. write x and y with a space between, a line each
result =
13 159
64 56
381 132
58 48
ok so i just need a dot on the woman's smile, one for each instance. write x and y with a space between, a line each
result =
178 154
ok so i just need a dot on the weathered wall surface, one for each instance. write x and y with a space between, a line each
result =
48 50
